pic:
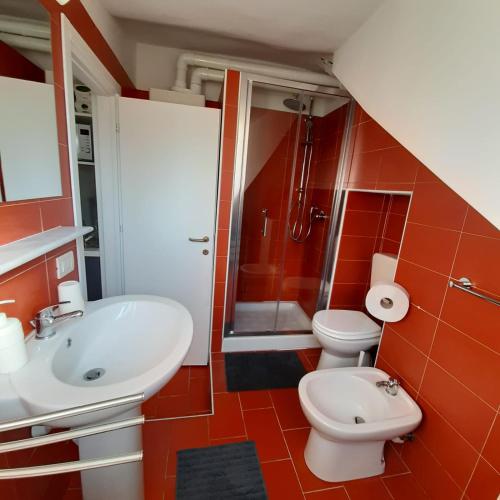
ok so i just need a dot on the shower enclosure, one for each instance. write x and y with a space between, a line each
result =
291 142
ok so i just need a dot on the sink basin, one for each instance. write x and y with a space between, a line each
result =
122 345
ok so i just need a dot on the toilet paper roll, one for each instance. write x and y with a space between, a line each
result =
387 301
70 291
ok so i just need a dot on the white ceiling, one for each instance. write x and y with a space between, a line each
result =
314 26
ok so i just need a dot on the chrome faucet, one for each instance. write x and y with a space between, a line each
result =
391 385
45 321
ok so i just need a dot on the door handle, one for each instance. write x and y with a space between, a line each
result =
205 239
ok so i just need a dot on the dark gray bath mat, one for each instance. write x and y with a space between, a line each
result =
248 371
229 471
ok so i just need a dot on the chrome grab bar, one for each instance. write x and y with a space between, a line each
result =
69 412
205 239
90 430
61 468
264 213
465 284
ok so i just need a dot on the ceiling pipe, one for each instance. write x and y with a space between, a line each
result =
25 42
25 27
222 63
199 75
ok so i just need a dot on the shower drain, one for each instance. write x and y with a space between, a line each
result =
94 374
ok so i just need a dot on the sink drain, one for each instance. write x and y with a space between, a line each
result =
94 374
359 420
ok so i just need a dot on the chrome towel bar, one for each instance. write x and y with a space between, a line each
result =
61 468
70 412
23 444
466 285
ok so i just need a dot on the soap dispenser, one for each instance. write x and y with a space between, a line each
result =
13 353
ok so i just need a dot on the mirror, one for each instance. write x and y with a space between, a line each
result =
29 155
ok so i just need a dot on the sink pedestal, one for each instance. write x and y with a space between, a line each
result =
119 482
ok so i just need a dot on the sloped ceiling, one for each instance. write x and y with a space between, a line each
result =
428 72
315 26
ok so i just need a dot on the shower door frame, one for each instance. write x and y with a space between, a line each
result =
283 339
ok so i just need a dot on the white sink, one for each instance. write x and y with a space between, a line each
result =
131 343
125 345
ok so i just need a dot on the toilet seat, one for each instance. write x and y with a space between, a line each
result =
345 325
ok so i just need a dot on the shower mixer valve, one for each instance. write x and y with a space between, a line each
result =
318 215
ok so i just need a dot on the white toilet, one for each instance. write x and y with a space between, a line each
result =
351 417
342 333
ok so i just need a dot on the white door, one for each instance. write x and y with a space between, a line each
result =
168 181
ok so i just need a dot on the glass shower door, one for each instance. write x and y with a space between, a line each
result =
265 185
310 206
282 208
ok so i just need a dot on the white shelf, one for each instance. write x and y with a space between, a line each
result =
19 252
80 114
83 162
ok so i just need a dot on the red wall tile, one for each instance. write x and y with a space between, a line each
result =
372 222
447 347
14 65
229 119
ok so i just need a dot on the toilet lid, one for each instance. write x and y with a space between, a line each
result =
345 324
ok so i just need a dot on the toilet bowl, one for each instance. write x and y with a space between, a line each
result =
343 333
351 418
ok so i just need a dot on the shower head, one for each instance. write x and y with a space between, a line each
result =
294 103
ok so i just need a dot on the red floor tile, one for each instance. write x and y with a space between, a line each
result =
227 420
173 406
169 489
219 376
230 440
281 480
338 493
155 445
296 442
263 427
287 404
253 400
179 384
404 488
183 434
367 489
393 462
199 372
199 395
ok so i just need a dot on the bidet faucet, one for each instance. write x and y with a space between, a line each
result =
46 320
391 385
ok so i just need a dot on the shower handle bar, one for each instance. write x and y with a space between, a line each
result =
264 213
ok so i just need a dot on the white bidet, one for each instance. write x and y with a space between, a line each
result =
351 417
